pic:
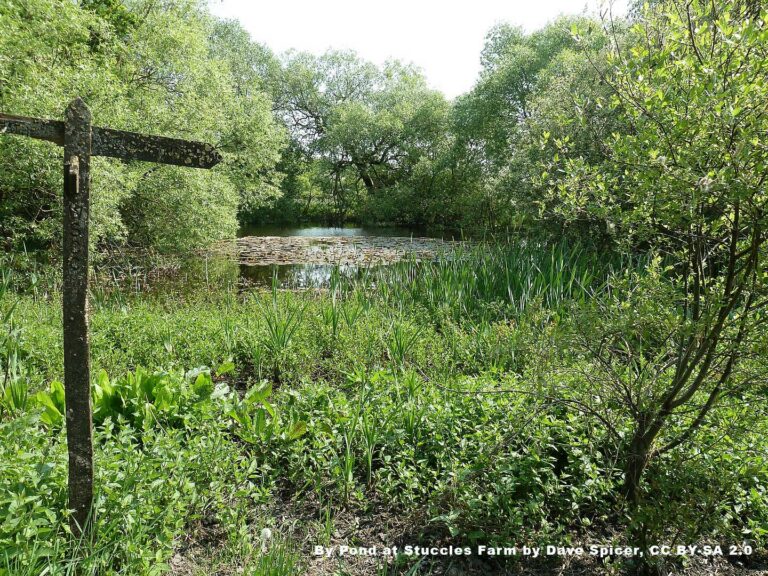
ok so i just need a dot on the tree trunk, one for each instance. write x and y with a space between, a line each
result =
637 457
365 176
367 180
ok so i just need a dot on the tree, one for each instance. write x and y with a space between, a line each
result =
162 68
530 86
687 182
366 127
250 134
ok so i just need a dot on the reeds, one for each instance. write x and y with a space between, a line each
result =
484 280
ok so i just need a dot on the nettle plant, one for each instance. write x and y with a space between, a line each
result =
688 183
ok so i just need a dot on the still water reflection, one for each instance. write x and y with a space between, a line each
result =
344 231
300 274
295 275
298 257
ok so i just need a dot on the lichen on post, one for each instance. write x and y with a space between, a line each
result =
77 154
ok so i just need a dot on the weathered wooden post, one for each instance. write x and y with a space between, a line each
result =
77 371
81 140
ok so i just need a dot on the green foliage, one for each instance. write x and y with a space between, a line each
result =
532 86
168 218
139 399
489 282
695 140
14 378
458 395
148 494
53 404
258 422
400 342
143 399
358 132
169 69
527 390
282 322
686 182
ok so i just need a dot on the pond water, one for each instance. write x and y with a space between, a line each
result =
305 256
314 231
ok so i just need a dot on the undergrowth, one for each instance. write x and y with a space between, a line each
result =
441 391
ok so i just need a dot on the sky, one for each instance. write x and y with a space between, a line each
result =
442 37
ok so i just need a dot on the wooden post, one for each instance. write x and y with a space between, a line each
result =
81 140
77 372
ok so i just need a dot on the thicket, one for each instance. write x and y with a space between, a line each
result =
335 138
154 67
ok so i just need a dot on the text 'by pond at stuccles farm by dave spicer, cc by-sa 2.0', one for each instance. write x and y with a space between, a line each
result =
595 550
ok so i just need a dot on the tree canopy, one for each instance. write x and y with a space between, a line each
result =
161 68
335 138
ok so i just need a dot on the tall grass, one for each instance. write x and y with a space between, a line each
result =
485 281
282 323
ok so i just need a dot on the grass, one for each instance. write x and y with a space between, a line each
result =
373 413
479 283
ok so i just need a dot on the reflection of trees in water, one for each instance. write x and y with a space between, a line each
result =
137 272
329 250
296 275
346 230
301 257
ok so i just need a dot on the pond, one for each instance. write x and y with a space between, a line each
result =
314 231
305 256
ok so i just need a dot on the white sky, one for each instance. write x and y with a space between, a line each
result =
443 38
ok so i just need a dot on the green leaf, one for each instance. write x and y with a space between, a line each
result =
203 386
297 430
225 368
